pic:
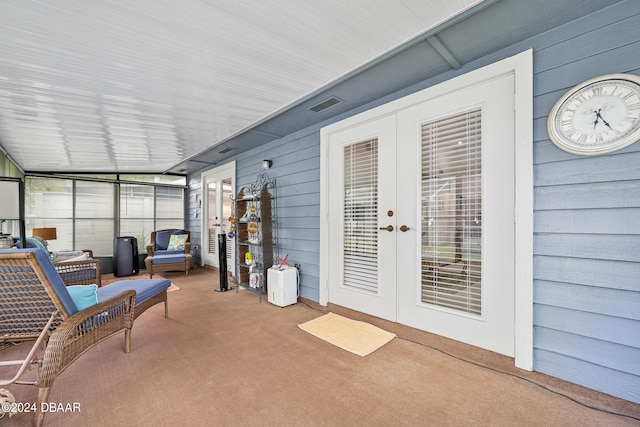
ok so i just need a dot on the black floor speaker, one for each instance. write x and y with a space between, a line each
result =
125 256
222 263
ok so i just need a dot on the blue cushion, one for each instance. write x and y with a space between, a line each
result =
145 288
83 295
168 258
163 237
54 278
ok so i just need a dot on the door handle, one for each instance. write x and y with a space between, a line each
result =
404 228
388 228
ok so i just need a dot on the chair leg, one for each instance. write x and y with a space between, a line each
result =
43 398
127 340
166 308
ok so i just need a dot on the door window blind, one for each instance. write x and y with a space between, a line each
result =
360 216
451 212
212 197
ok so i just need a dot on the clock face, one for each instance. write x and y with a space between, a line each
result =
598 116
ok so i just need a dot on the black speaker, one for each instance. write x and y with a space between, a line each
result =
222 262
125 256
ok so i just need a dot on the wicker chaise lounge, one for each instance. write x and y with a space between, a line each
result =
35 306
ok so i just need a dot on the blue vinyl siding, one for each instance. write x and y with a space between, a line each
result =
586 210
587 218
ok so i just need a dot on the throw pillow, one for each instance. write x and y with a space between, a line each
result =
83 295
177 242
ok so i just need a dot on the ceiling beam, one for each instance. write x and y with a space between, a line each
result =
444 52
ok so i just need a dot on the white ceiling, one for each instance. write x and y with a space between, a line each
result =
140 86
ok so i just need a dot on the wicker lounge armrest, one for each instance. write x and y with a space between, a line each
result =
83 330
79 333
85 272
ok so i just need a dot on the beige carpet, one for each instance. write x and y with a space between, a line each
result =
357 337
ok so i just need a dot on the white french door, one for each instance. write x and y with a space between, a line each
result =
456 265
421 215
362 268
217 187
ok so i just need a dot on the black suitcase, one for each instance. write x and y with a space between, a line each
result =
125 256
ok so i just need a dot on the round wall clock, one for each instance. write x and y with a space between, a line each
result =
597 116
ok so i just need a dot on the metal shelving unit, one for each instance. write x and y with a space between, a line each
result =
255 233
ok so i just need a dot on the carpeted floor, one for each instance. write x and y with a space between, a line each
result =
224 359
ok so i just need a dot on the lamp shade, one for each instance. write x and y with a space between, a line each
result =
45 233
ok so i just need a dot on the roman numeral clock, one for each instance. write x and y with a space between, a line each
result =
597 116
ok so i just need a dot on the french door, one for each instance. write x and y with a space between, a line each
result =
362 203
457 267
421 209
217 188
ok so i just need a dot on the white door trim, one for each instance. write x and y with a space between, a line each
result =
521 65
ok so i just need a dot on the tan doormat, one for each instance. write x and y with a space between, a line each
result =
352 335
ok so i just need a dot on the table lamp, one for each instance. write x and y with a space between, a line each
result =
46 233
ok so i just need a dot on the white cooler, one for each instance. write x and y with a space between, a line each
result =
282 286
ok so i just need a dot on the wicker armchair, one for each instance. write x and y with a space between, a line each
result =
161 258
35 305
87 272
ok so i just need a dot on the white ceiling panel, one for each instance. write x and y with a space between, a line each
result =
140 86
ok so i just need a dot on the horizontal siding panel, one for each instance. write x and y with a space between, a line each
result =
610 302
300 165
605 58
590 246
620 194
298 212
301 149
615 383
601 273
291 180
587 37
597 221
601 327
304 199
297 189
311 292
308 234
589 170
301 221
294 246
546 152
609 355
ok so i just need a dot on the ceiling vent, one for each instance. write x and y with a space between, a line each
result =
225 150
327 103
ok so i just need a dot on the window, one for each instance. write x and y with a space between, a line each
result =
88 214
94 216
451 212
360 216
137 211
